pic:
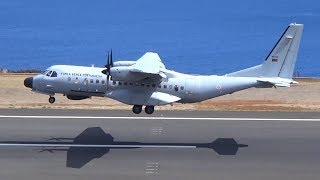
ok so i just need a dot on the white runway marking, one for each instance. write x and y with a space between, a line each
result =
91 145
161 118
156 130
152 168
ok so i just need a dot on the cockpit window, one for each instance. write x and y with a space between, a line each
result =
54 74
45 72
49 73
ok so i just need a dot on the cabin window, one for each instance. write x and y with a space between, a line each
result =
153 85
120 83
176 88
102 81
54 74
182 87
131 84
148 85
159 86
91 80
170 87
142 85
97 81
165 86
125 83
114 82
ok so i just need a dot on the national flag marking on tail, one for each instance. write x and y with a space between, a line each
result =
274 59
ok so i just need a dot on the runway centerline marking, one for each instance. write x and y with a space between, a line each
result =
92 145
161 118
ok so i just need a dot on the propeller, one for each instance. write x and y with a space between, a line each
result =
108 66
111 60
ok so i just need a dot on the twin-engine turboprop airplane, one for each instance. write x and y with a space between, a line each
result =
147 82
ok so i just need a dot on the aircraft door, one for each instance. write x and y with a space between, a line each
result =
191 87
79 85
85 85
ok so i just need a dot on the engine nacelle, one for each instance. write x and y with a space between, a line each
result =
123 63
120 73
123 73
72 97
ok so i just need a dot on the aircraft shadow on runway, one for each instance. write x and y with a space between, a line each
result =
77 157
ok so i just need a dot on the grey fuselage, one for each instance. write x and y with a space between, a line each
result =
80 81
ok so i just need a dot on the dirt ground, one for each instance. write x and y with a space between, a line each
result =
302 97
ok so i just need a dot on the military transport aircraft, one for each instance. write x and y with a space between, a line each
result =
147 82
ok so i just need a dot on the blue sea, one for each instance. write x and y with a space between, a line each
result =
199 37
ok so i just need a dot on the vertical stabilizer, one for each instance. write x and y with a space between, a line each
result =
281 61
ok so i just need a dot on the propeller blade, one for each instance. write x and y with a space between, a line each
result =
111 60
108 78
106 66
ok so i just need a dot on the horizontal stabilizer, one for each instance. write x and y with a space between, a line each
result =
277 82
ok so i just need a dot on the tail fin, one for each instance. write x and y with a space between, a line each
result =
281 60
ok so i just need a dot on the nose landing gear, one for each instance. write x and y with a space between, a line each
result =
52 99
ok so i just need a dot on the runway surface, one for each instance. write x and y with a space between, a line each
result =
274 145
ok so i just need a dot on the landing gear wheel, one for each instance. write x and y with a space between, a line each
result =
149 109
52 100
137 109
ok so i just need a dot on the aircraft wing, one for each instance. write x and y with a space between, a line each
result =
149 64
277 82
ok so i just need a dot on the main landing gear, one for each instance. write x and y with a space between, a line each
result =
149 109
138 108
52 99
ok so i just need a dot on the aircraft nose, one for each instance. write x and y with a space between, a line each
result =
28 82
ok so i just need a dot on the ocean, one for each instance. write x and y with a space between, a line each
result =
198 37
